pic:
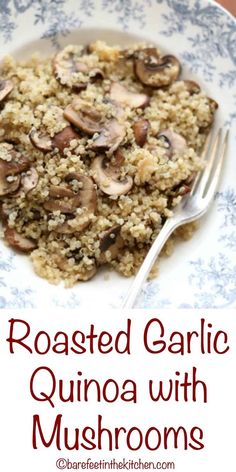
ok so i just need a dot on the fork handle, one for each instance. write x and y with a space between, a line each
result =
170 225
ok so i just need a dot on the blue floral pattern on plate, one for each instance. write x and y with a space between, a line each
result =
204 36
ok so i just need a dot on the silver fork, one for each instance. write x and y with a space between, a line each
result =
192 206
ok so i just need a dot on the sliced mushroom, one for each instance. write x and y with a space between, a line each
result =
208 120
11 169
62 199
119 160
60 192
18 241
192 87
41 141
87 192
112 241
67 200
213 104
174 142
84 117
125 97
96 74
6 86
4 213
111 136
66 207
8 187
155 70
89 120
29 180
107 179
66 66
140 129
63 139
118 109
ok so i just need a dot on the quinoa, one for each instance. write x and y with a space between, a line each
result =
94 156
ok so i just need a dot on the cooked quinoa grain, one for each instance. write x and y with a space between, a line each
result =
97 146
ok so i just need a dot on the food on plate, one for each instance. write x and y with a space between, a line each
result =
98 144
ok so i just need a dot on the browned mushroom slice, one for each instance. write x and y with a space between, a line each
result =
140 131
96 74
18 241
13 159
107 179
84 117
29 180
174 142
63 139
7 187
119 160
6 86
81 194
87 192
213 105
112 241
11 169
4 212
111 136
41 141
60 192
67 200
155 70
125 97
67 65
62 199
192 87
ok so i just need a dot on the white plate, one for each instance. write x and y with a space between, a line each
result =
201 272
